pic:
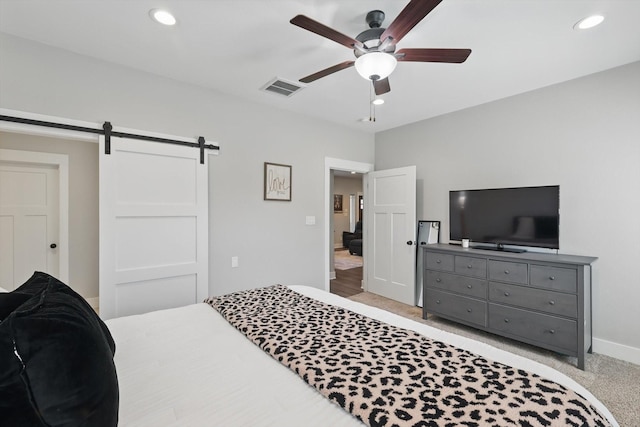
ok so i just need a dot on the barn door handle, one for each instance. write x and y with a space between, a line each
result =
53 246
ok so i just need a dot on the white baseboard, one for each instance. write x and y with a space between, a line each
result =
94 302
619 351
332 275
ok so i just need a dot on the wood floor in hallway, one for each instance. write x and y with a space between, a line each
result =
347 282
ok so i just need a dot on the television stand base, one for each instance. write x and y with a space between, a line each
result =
500 248
511 250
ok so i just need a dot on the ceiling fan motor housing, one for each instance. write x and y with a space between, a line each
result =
374 18
371 38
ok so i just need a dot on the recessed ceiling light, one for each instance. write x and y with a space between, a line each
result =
378 101
588 22
162 16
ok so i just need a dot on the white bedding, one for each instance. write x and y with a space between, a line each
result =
188 367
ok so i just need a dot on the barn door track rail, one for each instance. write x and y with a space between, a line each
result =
107 131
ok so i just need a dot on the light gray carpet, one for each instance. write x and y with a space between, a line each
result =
343 260
614 382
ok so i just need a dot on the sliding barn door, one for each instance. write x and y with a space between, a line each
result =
153 227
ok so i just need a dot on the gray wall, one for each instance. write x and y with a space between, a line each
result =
83 203
583 135
270 238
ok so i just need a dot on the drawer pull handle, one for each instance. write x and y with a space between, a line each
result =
506 320
437 301
552 277
438 280
552 302
469 286
438 261
469 266
552 331
468 310
506 272
506 294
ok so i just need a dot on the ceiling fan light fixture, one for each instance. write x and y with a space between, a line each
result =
376 65
162 16
378 101
588 22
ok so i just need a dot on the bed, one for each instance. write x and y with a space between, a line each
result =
190 366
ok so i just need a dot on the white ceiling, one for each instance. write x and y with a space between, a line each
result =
237 46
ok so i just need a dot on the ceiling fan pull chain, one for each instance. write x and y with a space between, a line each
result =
372 106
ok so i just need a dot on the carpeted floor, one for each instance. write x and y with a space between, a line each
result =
343 260
614 382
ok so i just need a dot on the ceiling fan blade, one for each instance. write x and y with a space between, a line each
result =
413 13
324 31
315 76
381 86
456 56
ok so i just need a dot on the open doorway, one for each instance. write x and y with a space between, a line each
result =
333 234
75 247
347 233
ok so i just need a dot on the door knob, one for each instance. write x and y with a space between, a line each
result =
409 242
53 246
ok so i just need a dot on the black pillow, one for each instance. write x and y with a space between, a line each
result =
9 301
40 281
57 360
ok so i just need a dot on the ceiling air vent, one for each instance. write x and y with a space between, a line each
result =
282 87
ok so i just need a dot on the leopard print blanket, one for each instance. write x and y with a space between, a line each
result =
389 376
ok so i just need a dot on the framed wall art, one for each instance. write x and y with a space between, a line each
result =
337 202
277 182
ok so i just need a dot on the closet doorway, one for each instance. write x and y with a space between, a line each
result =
30 215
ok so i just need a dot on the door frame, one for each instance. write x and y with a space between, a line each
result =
61 163
342 165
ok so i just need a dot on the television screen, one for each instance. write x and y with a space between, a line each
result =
525 216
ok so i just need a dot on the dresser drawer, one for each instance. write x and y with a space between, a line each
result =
438 261
537 299
467 309
556 278
470 266
541 328
504 271
455 283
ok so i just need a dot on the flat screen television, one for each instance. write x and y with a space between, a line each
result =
524 216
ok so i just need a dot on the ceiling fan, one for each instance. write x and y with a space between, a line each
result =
375 48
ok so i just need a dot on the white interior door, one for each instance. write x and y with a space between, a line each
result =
391 230
153 227
28 222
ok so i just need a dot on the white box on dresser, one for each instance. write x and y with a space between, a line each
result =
538 298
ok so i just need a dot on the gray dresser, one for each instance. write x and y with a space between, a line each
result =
540 299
